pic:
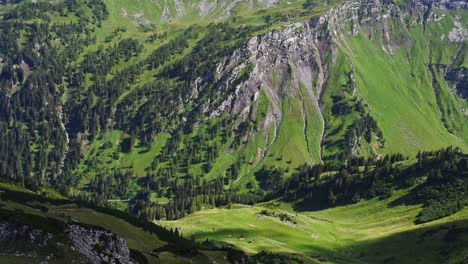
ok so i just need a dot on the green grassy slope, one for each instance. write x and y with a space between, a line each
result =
367 232
403 105
414 109
29 209
423 217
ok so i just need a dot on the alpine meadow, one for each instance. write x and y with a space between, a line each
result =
234 131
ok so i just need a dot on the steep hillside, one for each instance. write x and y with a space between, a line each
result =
153 105
320 117
366 73
320 90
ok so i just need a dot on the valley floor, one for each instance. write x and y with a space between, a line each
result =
366 232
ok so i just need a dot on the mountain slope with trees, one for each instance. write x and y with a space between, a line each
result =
203 102
164 108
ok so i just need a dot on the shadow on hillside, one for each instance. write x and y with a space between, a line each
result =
315 203
411 198
434 244
246 238
181 246
442 243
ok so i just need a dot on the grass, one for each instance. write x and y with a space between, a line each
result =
291 139
387 80
366 232
167 16
268 233
141 157
398 89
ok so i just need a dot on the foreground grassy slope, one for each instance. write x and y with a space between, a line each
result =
367 232
29 210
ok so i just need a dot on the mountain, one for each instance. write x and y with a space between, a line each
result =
163 108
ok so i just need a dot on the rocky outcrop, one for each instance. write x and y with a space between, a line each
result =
448 4
98 246
91 245
283 61
31 240
458 33
458 78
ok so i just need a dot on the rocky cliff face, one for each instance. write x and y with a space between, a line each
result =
294 61
98 246
285 63
449 4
